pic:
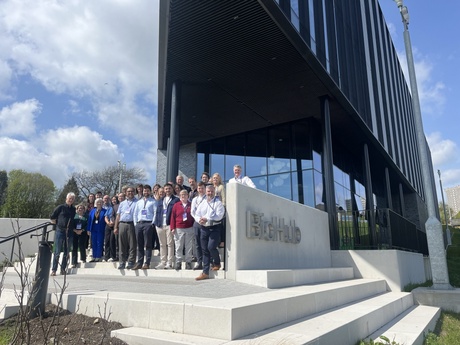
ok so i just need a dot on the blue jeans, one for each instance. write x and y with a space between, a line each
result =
61 243
210 239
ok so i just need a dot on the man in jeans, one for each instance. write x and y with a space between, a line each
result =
209 215
63 216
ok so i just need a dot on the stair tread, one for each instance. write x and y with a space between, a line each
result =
411 326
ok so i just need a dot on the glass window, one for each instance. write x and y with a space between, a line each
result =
216 164
309 189
279 150
280 185
260 182
200 163
256 166
318 180
295 187
317 161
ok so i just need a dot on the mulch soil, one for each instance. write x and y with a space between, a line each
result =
58 326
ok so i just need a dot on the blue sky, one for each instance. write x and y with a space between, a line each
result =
78 83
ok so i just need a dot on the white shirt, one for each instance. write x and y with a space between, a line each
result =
243 180
211 210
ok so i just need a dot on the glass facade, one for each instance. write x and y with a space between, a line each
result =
284 160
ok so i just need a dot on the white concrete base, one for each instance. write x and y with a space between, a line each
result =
448 300
397 267
227 316
342 325
273 279
411 327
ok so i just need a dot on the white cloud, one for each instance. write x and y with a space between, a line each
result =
102 50
57 153
18 119
431 93
443 151
78 148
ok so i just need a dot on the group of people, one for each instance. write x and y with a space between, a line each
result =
183 222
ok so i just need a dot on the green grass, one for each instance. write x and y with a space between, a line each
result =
6 332
447 331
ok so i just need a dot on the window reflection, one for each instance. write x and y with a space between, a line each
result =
317 161
309 188
260 182
216 164
256 166
280 185
319 199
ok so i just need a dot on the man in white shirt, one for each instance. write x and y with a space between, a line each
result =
238 178
143 223
209 215
197 200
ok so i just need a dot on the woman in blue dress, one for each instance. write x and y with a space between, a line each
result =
96 226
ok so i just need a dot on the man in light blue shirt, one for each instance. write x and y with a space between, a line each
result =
143 222
124 226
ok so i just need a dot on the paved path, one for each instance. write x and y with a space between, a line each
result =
212 288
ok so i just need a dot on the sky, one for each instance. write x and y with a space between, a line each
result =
78 83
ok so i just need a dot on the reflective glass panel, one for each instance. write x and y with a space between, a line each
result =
318 180
280 185
216 164
308 188
295 187
317 161
256 166
260 182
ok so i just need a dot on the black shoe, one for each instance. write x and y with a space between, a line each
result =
121 266
194 259
178 266
130 266
198 266
188 265
137 267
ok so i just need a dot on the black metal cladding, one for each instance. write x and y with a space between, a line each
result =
242 50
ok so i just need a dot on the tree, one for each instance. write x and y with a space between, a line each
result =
29 195
70 186
107 180
3 186
449 210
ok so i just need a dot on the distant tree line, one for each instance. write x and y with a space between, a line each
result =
33 195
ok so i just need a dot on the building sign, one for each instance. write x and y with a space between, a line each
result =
271 230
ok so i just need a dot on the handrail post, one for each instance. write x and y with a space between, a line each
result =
12 251
39 293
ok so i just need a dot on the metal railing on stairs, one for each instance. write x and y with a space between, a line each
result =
37 300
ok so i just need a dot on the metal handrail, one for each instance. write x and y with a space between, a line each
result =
16 236
38 294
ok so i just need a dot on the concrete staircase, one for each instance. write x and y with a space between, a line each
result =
310 306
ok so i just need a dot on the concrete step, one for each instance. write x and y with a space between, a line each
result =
342 325
9 303
411 327
184 314
274 279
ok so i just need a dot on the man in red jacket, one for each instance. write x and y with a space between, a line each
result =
182 229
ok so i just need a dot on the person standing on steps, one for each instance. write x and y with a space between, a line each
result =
162 222
182 230
124 227
143 223
63 217
209 215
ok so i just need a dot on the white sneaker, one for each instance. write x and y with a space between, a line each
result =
73 266
160 266
110 260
